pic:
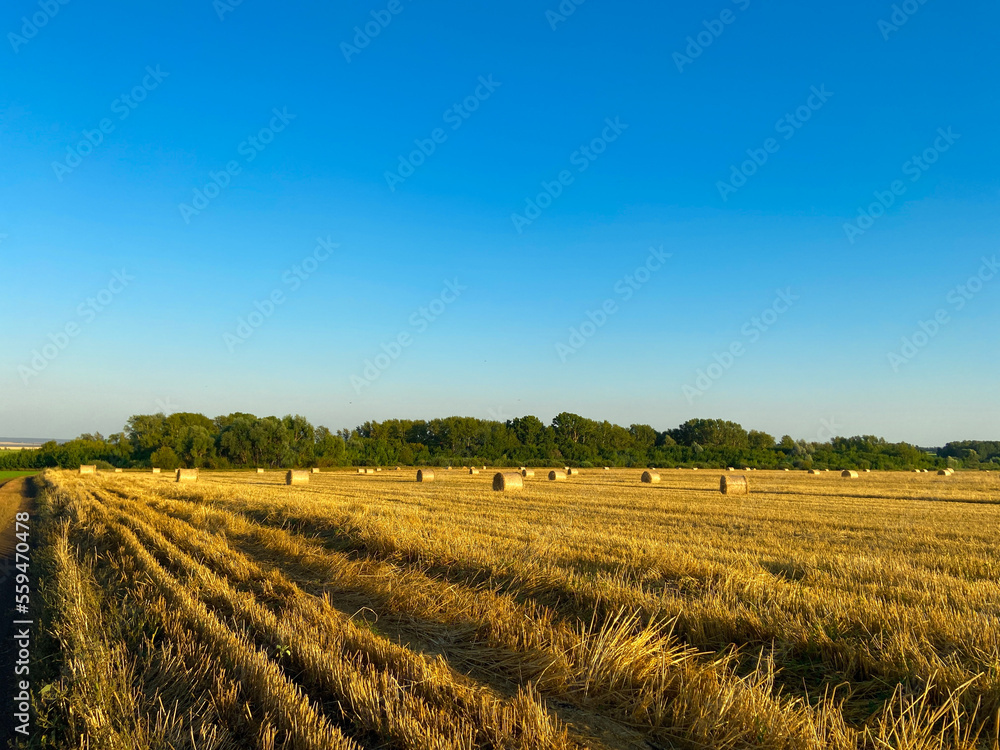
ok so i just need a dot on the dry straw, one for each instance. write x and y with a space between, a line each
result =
734 485
297 477
557 476
425 475
504 481
527 472
850 474
88 469
187 475
650 477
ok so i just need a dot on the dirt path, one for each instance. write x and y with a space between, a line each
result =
15 497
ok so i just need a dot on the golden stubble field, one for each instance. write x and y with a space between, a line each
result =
372 611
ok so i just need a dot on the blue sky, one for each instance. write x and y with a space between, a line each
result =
462 252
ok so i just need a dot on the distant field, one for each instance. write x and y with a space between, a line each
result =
5 475
373 611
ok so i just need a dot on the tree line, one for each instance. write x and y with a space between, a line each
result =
242 440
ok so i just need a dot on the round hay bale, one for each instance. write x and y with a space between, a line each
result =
378 468
314 471
850 474
566 469
425 475
369 471
187 475
119 471
695 469
787 469
573 472
815 472
730 468
88 469
473 471
260 471
557 476
398 468
868 471
607 468
734 485
156 471
503 481
946 472
449 468
527 473
650 477
297 477
361 471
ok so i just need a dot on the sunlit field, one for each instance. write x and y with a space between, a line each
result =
364 611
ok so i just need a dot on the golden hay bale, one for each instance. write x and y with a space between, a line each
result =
695 469
815 472
946 472
527 473
156 471
187 475
650 477
557 476
787 469
730 468
868 471
398 468
361 471
850 474
378 468
473 471
314 471
449 468
734 485
510 480
573 472
607 468
425 475
260 471
369 471
297 477
88 469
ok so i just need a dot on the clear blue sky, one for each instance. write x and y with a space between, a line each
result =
73 216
